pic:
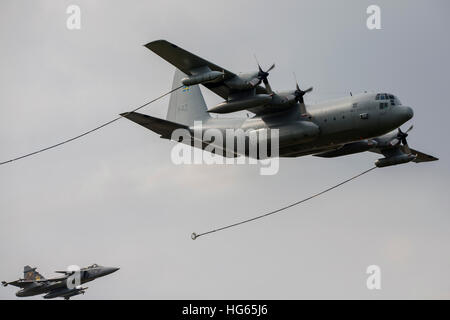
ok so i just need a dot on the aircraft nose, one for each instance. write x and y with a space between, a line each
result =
109 270
409 112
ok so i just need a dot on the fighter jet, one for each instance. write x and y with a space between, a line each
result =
33 283
352 124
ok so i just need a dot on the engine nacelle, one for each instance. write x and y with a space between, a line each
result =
242 81
283 99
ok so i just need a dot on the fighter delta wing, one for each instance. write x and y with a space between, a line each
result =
32 277
21 283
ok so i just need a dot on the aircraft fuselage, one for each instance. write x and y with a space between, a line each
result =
327 125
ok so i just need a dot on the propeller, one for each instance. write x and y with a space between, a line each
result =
299 93
262 76
401 138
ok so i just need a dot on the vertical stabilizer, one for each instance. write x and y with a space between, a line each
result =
30 273
186 105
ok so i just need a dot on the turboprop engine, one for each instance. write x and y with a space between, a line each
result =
250 80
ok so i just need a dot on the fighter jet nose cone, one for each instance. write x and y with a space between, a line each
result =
111 270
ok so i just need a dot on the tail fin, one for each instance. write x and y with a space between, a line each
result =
30 273
186 105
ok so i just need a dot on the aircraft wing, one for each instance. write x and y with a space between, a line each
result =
421 157
189 63
17 283
367 145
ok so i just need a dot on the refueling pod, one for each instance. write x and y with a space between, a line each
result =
391 161
241 104
209 76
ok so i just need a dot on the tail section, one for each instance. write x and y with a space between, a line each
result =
30 273
186 105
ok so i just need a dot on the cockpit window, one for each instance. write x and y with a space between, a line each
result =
383 105
381 96
386 96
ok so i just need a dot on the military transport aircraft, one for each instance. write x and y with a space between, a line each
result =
34 283
352 124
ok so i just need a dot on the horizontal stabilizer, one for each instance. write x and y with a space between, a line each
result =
165 129
160 126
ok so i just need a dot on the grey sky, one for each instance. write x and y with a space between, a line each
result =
115 198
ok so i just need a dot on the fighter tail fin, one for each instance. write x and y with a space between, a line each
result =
30 273
186 105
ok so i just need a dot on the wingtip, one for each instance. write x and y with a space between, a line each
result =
432 158
154 43
125 114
